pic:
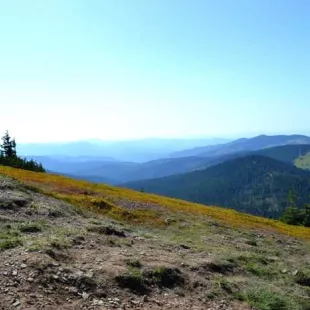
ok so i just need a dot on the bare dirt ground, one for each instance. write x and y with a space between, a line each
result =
52 256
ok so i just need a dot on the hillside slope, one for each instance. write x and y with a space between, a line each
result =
286 153
65 245
244 144
303 161
254 184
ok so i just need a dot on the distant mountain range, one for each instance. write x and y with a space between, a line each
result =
244 144
132 150
253 184
106 169
250 175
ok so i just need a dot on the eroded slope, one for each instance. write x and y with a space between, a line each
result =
58 256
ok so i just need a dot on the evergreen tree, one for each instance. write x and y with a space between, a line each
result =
292 216
306 215
8 156
8 147
291 199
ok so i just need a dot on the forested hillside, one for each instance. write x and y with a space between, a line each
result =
253 184
286 153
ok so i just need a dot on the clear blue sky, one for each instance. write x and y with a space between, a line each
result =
113 69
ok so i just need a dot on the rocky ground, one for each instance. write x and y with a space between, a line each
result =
54 256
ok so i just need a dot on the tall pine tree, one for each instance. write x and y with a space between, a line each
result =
8 147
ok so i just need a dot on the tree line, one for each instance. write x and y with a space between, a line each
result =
294 215
8 156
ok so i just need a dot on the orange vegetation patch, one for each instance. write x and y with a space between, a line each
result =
99 197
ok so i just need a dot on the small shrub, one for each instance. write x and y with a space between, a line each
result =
86 283
251 242
134 263
228 287
133 280
211 295
168 277
61 243
220 266
265 299
106 230
302 278
10 243
30 227
55 213
258 270
102 204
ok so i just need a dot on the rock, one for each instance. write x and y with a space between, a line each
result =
13 200
14 273
85 296
16 303
97 302
138 238
73 290
100 293
23 266
294 273
134 302
30 279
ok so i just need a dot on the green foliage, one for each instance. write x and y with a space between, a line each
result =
295 216
9 239
30 227
264 299
260 271
133 280
292 216
8 147
134 263
10 243
306 215
168 277
8 156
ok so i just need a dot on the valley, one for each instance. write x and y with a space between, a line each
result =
251 175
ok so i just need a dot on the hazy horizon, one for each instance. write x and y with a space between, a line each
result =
122 70
224 138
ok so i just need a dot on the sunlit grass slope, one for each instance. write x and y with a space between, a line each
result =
109 200
303 161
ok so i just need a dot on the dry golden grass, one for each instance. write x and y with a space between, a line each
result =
100 198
